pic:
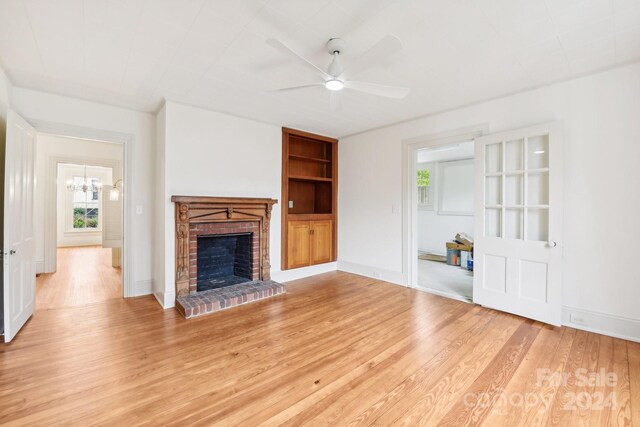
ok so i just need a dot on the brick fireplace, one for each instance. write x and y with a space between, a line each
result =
223 254
220 239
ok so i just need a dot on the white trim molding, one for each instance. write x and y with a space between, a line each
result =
143 287
601 323
301 273
409 190
394 277
128 142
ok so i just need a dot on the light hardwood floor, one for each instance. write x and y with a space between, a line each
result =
84 275
337 349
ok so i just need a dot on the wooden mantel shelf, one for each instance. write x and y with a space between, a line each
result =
223 200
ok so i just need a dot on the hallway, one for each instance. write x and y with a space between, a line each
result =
84 276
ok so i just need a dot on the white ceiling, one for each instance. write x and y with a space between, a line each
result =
212 53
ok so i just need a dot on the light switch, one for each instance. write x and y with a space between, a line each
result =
139 209
290 204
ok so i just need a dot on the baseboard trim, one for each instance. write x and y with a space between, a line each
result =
395 277
301 273
601 323
142 287
160 298
40 267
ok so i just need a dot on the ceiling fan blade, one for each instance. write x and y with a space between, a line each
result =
376 89
287 89
377 53
278 45
335 100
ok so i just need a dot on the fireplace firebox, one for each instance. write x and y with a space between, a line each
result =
224 260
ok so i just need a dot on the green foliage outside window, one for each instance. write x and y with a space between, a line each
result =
423 178
85 217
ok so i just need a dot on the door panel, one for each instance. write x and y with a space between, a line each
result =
321 241
518 255
298 246
19 244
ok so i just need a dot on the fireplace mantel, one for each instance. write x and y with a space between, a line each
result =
192 210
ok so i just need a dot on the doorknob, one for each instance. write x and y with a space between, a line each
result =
11 252
552 244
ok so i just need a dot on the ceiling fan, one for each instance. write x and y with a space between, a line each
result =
338 77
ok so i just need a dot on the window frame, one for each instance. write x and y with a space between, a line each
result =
432 167
69 208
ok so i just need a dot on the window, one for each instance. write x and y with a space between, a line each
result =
425 187
85 205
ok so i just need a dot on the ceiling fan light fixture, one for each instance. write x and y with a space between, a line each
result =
334 84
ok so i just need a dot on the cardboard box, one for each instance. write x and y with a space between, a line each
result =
464 238
458 246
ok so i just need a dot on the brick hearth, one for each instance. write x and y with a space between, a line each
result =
219 299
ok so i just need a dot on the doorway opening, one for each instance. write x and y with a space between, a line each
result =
445 219
78 221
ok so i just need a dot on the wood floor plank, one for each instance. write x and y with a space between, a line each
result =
633 351
346 400
493 379
337 349
525 392
621 410
559 412
439 387
84 275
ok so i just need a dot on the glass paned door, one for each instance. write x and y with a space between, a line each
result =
517 189
519 217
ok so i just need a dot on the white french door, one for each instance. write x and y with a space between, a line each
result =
19 245
518 208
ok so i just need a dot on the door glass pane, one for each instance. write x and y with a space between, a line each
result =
538 152
538 188
514 189
513 224
538 224
493 222
493 158
515 155
493 192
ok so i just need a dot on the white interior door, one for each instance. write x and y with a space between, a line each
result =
518 242
19 244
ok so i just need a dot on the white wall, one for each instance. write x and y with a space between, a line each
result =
435 227
601 120
40 106
212 154
5 103
67 236
434 230
5 95
161 213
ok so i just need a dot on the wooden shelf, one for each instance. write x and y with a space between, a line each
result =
309 199
310 178
308 159
310 216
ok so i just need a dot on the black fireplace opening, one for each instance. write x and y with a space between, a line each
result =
224 260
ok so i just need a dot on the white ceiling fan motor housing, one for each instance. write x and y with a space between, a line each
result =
336 45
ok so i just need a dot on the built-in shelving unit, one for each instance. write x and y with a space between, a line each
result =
309 194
